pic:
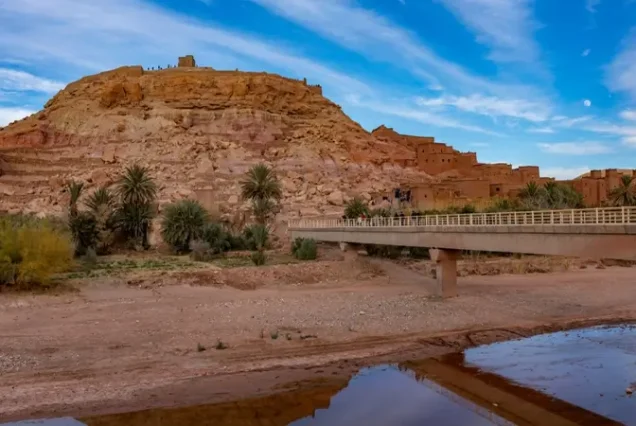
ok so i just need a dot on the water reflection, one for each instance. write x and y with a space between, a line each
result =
569 378
590 368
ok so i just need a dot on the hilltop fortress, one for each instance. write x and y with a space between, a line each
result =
199 130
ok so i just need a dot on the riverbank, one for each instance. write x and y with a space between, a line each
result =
168 338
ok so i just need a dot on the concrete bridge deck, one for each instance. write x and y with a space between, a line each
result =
591 233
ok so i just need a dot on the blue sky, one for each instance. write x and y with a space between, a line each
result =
542 82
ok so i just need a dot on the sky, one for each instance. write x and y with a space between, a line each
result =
527 82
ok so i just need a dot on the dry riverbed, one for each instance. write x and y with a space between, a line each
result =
135 337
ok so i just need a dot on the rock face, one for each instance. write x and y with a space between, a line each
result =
198 130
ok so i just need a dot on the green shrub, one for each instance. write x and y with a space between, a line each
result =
237 241
200 251
84 232
31 254
256 237
390 252
182 223
304 249
355 208
258 258
134 221
419 253
217 238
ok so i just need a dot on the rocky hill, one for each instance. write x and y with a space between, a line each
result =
198 130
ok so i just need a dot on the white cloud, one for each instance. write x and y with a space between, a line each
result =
627 133
586 52
10 114
628 114
587 103
575 148
98 35
621 72
506 27
417 115
491 106
366 32
563 121
14 80
564 173
547 130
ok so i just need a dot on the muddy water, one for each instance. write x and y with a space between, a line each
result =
570 378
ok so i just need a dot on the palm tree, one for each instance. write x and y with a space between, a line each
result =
625 193
262 209
531 190
261 186
101 205
136 186
75 191
356 208
137 193
100 200
261 183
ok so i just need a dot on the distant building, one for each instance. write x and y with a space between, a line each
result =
187 62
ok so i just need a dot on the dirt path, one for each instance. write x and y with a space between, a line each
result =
113 347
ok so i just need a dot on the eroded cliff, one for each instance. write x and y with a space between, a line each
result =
198 130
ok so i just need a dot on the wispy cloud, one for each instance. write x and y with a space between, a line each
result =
546 130
628 114
575 148
14 80
626 133
10 114
563 121
417 115
506 27
586 52
491 106
98 34
376 37
621 72
564 173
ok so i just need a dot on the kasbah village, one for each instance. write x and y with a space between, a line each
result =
153 252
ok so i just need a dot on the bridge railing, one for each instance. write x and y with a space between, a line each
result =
597 216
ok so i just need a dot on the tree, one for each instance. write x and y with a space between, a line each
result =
625 193
75 191
182 223
261 183
101 205
356 208
137 193
261 186
136 186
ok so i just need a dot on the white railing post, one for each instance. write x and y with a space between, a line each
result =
623 215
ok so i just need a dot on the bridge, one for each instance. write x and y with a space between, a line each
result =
608 233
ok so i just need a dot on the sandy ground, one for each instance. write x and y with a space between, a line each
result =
130 343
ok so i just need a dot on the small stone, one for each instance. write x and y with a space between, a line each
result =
629 390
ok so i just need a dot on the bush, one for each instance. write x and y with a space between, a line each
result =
31 254
183 222
390 252
200 251
258 258
84 232
217 238
256 237
419 253
304 249
355 208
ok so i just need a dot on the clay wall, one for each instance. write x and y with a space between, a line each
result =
187 61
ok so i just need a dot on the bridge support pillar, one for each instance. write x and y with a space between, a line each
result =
446 271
